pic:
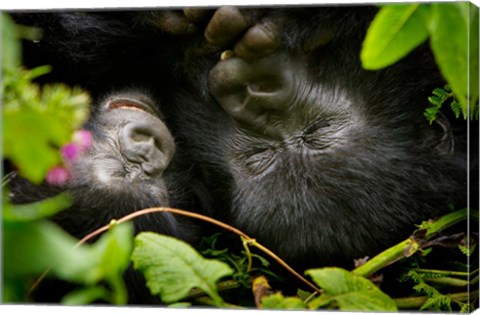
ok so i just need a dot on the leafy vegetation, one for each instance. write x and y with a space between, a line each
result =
441 96
178 269
34 130
452 29
35 248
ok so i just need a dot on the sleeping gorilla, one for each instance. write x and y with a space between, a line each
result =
297 145
129 166
320 160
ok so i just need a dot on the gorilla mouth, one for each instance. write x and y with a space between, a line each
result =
131 105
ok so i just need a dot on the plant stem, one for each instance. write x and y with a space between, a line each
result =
418 301
443 272
448 281
227 227
409 246
285 265
119 290
383 259
444 222
245 244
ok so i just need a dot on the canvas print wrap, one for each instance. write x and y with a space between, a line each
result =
271 157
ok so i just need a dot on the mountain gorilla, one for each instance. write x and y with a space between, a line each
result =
296 144
130 165
318 159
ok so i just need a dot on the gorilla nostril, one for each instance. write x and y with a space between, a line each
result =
148 144
140 136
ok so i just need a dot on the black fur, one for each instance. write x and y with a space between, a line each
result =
342 171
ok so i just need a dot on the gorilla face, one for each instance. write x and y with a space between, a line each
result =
329 162
129 166
297 145
132 148
124 170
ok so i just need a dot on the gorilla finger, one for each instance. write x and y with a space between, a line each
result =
174 22
227 23
197 15
260 40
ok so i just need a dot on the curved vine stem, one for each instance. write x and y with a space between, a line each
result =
247 240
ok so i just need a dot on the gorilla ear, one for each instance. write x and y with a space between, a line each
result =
443 137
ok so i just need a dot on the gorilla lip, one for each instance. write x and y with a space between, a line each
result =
130 105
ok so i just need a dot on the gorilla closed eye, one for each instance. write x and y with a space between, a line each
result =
318 124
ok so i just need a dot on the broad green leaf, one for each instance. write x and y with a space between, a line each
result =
22 149
36 125
35 247
351 292
172 267
473 60
111 254
448 28
32 248
395 31
114 249
36 210
278 301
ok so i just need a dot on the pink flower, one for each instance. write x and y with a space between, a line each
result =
83 138
70 151
81 142
57 176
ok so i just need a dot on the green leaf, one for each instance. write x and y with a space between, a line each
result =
36 125
180 305
11 49
351 292
32 248
441 94
114 249
172 268
85 296
448 28
36 210
35 247
278 301
304 294
431 113
456 108
473 60
395 31
18 126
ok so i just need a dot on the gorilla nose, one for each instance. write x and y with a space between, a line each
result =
148 144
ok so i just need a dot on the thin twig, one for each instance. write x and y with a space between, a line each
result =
225 226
